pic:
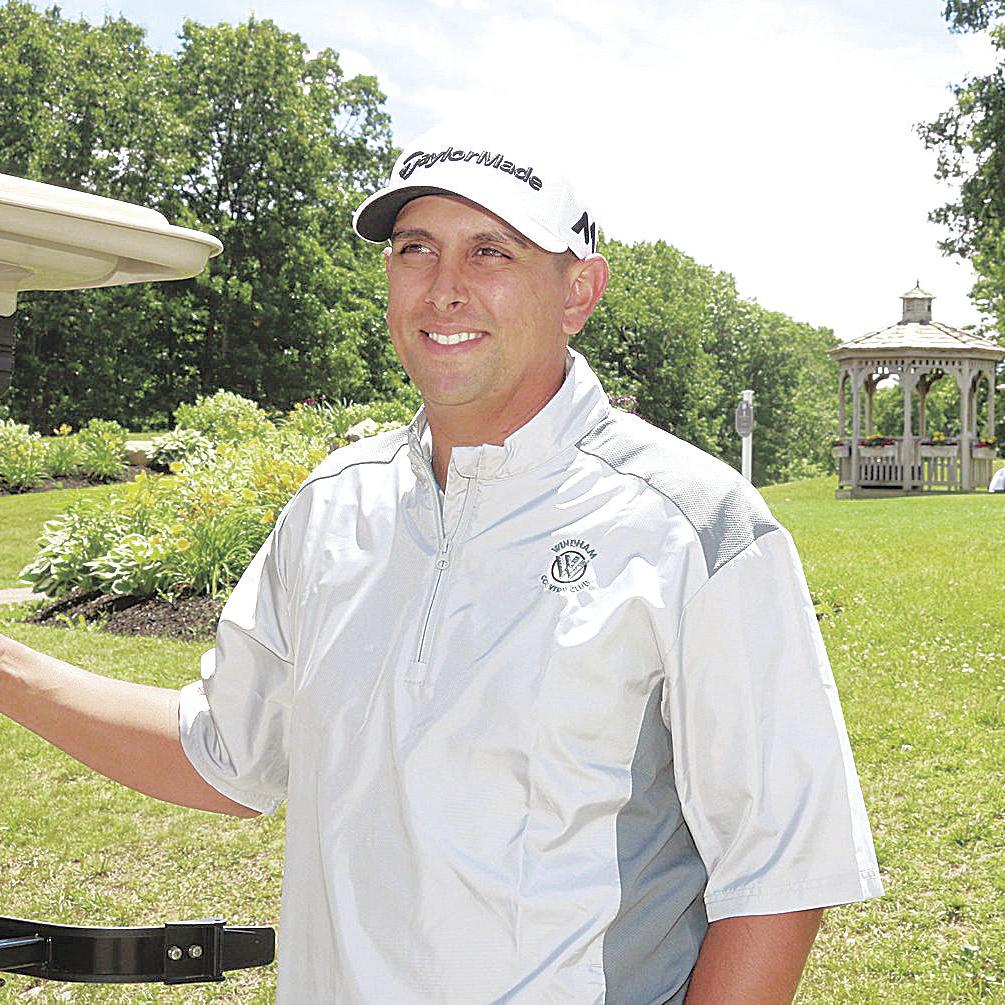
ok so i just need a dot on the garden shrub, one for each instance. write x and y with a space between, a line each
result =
63 454
224 417
323 422
22 457
198 529
181 446
102 450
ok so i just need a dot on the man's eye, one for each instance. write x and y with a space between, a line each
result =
491 253
414 247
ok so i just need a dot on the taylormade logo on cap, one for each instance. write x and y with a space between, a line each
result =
421 159
537 202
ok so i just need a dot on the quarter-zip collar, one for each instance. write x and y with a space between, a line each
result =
578 406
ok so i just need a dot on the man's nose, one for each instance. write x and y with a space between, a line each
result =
447 288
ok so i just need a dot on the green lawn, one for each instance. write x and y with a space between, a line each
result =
915 627
914 620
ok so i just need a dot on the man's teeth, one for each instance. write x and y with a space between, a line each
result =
453 339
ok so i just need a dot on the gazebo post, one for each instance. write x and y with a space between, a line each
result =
870 387
991 403
963 382
907 382
842 423
856 423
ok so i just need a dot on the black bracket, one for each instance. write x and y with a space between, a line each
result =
180 952
6 351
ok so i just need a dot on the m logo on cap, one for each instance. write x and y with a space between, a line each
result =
586 230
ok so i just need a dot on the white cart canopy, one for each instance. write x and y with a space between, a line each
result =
57 239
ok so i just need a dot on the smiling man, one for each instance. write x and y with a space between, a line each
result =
541 685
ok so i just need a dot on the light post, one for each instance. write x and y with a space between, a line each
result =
744 422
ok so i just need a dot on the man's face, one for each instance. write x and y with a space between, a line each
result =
475 313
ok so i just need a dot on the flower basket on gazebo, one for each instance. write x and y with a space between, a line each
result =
840 448
877 446
939 450
983 450
940 445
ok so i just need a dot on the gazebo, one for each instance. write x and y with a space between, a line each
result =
919 351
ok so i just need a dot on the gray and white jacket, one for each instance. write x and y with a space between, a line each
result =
534 732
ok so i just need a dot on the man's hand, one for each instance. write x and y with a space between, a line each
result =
127 732
753 960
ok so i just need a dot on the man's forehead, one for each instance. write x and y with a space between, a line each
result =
430 214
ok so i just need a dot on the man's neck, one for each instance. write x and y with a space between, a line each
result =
465 426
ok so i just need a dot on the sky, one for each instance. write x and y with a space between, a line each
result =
770 139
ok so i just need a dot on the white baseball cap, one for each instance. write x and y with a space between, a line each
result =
504 177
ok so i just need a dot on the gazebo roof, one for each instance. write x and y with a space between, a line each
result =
919 337
917 334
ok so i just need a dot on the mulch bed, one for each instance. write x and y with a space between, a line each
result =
73 482
190 617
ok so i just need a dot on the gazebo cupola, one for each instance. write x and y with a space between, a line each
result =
917 351
917 306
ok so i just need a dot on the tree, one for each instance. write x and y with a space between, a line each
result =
969 140
242 134
675 336
973 15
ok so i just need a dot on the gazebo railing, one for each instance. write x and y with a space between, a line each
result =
931 466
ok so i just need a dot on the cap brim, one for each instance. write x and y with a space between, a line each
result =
374 219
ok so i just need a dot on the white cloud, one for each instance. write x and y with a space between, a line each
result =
773 139
761 137
355 64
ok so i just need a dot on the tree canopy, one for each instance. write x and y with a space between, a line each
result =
973 15
244 133
675 336
969 141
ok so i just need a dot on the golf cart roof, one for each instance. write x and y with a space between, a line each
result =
54 238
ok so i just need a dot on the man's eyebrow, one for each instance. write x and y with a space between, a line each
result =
501 236
403 235
493 236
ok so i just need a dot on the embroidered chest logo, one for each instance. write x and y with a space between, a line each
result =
570 567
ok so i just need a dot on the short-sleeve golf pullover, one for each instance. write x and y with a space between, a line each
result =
533 735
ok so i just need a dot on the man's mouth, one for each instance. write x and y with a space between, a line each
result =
441 338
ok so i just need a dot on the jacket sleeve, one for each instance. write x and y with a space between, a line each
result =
234 722
762 761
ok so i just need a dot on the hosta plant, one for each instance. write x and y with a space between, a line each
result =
181 446
69 542
135 565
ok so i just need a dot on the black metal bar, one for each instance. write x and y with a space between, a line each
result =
181 952
6 351
24 952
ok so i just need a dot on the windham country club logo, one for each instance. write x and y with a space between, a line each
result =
570 562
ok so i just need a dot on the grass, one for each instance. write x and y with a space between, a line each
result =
911 596
78 849
911 590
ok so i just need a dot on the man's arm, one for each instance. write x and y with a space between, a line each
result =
757 959
126 731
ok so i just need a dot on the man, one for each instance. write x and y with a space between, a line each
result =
541 685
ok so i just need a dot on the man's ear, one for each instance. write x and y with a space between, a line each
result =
589 280
387 258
